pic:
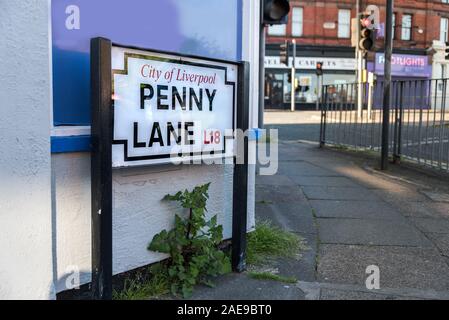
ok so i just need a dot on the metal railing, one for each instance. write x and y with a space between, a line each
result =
419 119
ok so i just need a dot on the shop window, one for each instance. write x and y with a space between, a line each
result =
406 33
344 23
393 26
297 22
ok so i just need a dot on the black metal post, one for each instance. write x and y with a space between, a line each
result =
400 121
240 188
261 68
101 168
323 105
387 84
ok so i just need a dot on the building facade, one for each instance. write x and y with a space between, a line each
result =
322 30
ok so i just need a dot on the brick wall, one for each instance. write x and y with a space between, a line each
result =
425 16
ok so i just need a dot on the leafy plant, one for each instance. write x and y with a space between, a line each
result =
192 244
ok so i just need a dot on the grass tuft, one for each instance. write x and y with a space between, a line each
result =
268 242
154 286
272 277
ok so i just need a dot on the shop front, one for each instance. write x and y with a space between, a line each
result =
278 80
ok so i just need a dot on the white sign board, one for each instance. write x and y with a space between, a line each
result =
309 63
170 108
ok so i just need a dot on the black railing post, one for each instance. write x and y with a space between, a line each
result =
387 84
323 117
396 86
240 184
101 168
400 120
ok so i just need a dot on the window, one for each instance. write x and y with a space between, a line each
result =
297 17
344 23
394 25
444 29
406 33
277 30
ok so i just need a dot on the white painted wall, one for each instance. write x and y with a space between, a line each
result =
138 212
45 219
26 270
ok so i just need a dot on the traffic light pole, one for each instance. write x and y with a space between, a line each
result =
261 74
357 57
387 84
293 82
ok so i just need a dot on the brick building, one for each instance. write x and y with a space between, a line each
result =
322 30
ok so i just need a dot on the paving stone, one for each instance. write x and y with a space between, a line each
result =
339 193
242 287
332 294
370 232
400 194
428 225
300 168
290 216
276 180
354 209
441 241
278 194
437 196
422 209
324 181
400 267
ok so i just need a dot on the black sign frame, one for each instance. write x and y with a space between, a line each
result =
101 164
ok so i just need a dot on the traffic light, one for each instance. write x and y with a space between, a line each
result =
319 68
284 53
275 11
366 42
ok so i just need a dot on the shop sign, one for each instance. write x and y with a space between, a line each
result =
309 63
406 65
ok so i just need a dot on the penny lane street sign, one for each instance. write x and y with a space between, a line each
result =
171 109
151 107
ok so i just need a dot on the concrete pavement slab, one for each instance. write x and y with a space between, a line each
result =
442 242
291 216
242 287
278 194
333 294
400 267
276 180
400 194
430 225
424 209
370 232
437 196
300 168
354 209
323 181
339 193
